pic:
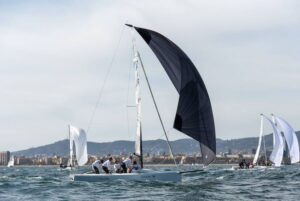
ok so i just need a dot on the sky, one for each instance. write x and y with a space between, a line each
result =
55 56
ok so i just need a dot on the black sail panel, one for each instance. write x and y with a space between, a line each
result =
194 115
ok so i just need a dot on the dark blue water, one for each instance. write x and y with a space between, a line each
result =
215 183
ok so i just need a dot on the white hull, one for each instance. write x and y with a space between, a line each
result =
67 168
254 168
145 175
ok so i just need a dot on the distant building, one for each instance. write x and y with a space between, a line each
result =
234 156
23 161
4 157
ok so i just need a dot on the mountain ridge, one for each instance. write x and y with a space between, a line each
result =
185 146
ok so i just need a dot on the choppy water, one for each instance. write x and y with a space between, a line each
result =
214 183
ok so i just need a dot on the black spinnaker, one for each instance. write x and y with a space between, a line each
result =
194 115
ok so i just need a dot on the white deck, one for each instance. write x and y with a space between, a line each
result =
145 175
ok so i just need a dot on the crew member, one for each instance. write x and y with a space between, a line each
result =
243 164
107 165
126 164
97 165
135 167
117 167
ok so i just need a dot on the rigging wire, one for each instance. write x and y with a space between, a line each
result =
104 81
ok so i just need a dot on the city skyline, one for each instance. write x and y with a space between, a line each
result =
54 58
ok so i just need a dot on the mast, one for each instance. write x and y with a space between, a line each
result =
157 111
138 102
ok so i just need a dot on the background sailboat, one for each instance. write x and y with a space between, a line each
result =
277 152
11 162
78 138
282 133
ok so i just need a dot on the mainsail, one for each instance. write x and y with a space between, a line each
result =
138 142
259 140
78 136
291 139
194 115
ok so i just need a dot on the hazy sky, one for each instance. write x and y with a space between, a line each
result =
54 56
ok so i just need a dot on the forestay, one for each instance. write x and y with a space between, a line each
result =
78 136
194 115
290 137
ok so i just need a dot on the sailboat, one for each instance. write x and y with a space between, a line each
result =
77 137
282 133
11 162
194 116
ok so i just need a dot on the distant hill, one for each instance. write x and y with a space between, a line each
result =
183 146
61 148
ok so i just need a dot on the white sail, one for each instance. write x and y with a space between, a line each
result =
273 120
70 162
291 139
78 136
138 108
277 153
259 140
11 162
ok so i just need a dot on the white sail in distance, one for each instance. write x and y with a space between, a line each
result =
138 107
291 139
11 162
277 153
78 136
259 140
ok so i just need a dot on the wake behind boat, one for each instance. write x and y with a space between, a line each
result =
194 115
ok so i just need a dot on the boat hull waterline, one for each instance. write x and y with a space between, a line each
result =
254 168
168 176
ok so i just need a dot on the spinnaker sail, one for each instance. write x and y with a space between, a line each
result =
194 115
277 153
78 136
290 137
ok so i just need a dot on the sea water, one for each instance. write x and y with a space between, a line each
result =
218 182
